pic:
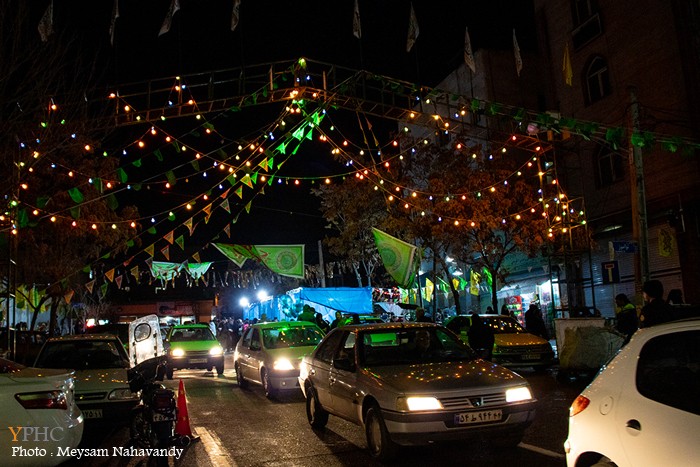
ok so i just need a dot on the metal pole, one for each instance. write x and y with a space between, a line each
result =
321 265
639 205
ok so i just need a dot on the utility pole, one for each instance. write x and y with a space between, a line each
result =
640 233
321 266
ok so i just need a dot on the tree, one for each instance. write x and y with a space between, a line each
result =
61 214
352 208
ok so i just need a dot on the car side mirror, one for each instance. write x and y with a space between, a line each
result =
344 363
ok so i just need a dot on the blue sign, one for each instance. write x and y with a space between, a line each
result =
625 247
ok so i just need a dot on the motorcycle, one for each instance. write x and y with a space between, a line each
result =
153 419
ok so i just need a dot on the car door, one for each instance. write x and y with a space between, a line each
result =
145 339
254 356
244 354
343 377
658 415
319 373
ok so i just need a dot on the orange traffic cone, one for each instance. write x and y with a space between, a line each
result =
182 427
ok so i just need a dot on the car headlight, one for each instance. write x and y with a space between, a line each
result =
282 364
216 351
518 394
122 395
417 403
177 352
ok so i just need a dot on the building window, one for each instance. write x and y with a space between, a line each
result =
583 10
597 79
586 19
610 167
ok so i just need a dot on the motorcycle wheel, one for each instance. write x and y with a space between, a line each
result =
220 369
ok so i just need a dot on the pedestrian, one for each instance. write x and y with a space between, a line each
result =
481 337
675 297
322 323
626 316
489 310
307 314
656 310
420 316
338 321
504 310
534 322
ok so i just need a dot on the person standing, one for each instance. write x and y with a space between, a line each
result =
481 337
420 316
626 314
656 310
534 322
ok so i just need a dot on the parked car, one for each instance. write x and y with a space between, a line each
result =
193 346
37 398
513 347
413 383
269 354
643 407
100 363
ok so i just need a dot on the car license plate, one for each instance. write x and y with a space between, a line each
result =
157 417
198 360
530 356
92 413
478 417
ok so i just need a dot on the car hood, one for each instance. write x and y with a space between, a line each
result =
93 380
518 339
438 377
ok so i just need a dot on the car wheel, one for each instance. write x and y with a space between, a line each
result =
169 373
379 442
267 384
604 462
316 414
220 369
242 383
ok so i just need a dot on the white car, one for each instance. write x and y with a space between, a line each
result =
39 422
412 384
643 408
100 363
269 354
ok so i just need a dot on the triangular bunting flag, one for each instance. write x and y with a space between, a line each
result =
246 180
110 275
180 241
196 257
166 252
188 224
90 285
119 282
68 296
239 191
169 236
150 249
226 207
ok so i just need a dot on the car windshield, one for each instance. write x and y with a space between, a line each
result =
191 334
405 346
504 326
285 337
83 355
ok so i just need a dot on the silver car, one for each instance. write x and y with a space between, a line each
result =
413 383
269 354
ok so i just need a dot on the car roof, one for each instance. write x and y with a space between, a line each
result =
283 324
389 326
193 326
83 337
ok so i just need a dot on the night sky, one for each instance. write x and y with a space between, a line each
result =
201 40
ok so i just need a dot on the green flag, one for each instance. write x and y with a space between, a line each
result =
398 257
165 271
237 253
285 260
197 270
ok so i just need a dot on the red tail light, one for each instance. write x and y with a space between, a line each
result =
43 400
579 405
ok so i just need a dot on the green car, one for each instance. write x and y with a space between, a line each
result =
193 346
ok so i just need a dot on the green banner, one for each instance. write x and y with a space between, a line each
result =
285 260
398 257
